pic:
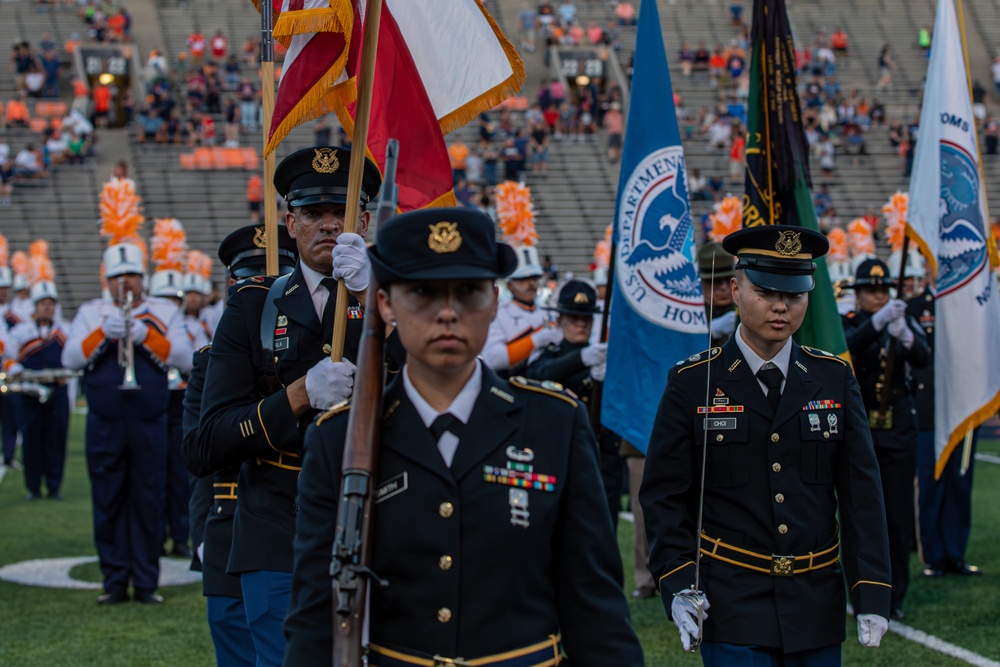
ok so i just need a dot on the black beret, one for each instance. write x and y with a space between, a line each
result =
577 298
778 257
440 244
872 273
318 175
244 251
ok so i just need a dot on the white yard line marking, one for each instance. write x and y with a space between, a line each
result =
940 645
3 472
988 458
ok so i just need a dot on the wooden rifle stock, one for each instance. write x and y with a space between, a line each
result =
355 521
890 355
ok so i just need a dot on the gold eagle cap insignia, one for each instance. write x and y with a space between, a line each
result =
260 238
326 161
876 271
581 298
444 237
788 243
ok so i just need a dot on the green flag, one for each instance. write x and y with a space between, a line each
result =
777 177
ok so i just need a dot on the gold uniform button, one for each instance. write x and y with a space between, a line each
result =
775 437
719 438
782 529
779 497
446 509
826 434
776 467
444 562
444 614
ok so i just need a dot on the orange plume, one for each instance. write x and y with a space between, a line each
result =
4 251
121 215
838 245
169 244
860 238
19 263
895 219
727 218
602 253
199 264
39 264
516 214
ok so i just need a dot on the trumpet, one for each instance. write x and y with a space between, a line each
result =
126 346
39 391
48 375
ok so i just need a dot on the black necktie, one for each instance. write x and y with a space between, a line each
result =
772 377
446 422
331 302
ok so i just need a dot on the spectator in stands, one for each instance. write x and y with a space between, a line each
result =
463 193
149 126
231 72
77 148
17 111
249 106
839 41
532 117
701 58
321 132
491 161
716 66
924 37
72 43
737 152
827 154
716 187
978 100
219 46
991 134
822 201
720 132
6 181
250 51
157 67
614 125
116 26
686 57
698 186
255 197
231 127
206 130
196 45
4 151
56 148
21 58
885 68
594 33
625 11
102 104
526 26
487 127
550 270
458 151
736 13
27 164
539 148
551 116
34 80
513 159
49 61
567 13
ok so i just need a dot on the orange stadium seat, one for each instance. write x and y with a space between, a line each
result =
38 124
50 109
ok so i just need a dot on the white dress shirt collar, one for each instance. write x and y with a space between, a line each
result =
461 407
754 361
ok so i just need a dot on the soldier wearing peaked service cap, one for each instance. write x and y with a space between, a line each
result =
464 485
878 327
270 372
785 446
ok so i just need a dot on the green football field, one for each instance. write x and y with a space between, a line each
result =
57 628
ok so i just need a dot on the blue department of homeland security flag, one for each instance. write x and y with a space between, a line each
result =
658 310
949 219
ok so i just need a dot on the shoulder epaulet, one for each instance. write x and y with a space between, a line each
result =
548 387
335 410
822 354
698 359
205 349
260 282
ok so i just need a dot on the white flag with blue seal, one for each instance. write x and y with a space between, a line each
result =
949 220
658 310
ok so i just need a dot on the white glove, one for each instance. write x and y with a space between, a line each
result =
139 331
890 312
685 617
329 383
546 336
113 327
871 627
598 371
724 325
14 370
350 262
201 552
899 330
595 354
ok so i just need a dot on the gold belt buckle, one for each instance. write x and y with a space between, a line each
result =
782 566
440 661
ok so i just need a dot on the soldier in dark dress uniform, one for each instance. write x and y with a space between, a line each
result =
576 364
269 372
213 496
786 446
878 325
489 523
944 506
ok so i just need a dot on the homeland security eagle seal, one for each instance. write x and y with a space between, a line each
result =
962 252
655 263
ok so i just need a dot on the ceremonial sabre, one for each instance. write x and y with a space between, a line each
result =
695 595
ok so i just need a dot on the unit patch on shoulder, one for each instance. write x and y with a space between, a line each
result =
553 389
822 354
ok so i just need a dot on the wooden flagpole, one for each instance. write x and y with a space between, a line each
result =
267 112
359 146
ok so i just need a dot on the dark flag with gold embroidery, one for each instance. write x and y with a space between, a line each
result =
778 183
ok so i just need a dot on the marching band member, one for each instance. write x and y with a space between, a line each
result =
126 433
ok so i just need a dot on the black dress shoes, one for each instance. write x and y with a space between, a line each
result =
181 551
643 593
962 568
934 570
146 596
897 614
115 595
